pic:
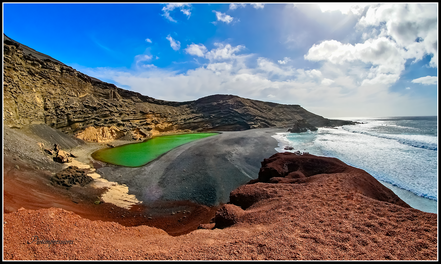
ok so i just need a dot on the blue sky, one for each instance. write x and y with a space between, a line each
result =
335 60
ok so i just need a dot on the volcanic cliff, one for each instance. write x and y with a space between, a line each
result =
39 89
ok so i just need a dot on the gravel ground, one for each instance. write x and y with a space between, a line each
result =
321 219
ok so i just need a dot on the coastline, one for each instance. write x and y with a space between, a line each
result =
337 214
415 201
394 173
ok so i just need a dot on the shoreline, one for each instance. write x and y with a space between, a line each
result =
204 171
415 201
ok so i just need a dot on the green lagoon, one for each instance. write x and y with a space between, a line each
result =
138 154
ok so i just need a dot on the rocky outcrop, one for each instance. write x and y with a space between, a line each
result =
301 126
62 157
290 168
101 134
58 154
39 89
71 176
227 215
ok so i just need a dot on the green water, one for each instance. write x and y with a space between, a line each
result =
138 154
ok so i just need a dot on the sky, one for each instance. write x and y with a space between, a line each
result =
335 60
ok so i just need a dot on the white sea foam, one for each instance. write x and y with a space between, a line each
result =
417 141
283 141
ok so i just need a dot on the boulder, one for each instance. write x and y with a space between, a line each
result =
300 126
295 166
63 157
227 215
71 176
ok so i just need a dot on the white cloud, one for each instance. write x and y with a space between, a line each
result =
140 61
220 68
382 55
327 81
428 80
184 8
234 6
414 27
354 76
176 45
148 40
258 5
328 91
223 17
391 35
223 52
309 75
148 66
139 58
271 69
284 61
197 50
344 8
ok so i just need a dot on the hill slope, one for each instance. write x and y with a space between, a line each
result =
40 89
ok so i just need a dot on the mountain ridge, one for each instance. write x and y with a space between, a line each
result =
40 89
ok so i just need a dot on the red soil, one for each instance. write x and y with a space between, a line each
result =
28 188
334 212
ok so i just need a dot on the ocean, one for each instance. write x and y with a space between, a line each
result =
400 152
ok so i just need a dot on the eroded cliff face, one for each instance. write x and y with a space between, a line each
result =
43 90
39 89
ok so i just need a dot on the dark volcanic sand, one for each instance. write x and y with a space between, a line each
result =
204 171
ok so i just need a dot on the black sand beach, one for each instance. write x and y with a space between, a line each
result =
204 171
196 177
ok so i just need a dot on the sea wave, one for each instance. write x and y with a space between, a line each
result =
283 141
407 187
336 143
417 141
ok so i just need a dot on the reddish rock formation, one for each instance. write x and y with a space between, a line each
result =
289 168
334 212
